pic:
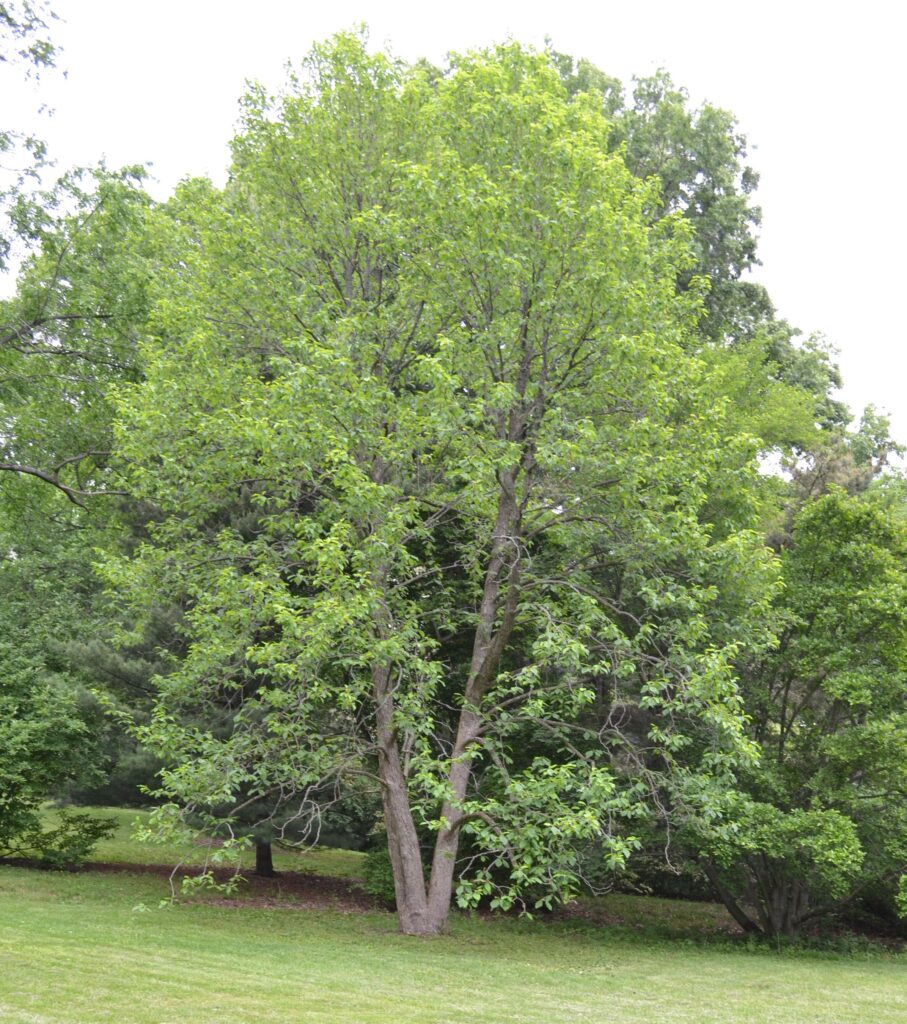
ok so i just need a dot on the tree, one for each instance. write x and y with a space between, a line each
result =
850 459
824 817
45 741
698 157
66 335
24 35
52 376
429 334
780 388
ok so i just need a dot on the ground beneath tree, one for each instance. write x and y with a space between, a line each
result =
289 890
298 890
720 922
672 918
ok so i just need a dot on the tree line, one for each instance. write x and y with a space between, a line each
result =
414 482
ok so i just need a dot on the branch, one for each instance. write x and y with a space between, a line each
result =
475 816
74 494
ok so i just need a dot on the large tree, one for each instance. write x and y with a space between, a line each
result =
430 336
63 339
47 740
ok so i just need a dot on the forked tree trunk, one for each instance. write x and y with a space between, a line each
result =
425 910
784 907
448 839
497 615
422 910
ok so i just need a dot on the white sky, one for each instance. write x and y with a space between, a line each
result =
818 89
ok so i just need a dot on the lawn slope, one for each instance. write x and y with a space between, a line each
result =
83 948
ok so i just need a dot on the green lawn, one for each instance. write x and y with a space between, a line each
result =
75 950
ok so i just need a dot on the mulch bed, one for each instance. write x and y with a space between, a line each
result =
289 890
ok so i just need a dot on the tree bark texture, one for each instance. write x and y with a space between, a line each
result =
264 860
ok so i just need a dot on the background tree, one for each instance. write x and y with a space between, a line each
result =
47 742
825 814
60 346
782 386
25 36
69 333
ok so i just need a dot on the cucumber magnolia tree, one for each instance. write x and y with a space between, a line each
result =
428 337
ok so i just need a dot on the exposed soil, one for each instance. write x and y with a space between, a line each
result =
288 890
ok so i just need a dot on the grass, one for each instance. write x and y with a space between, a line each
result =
76 951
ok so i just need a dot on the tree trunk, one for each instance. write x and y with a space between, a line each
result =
264 861
402 838
733 907
424 910
781 902
500 598
786 908
448 839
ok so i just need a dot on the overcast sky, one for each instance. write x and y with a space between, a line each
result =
818 90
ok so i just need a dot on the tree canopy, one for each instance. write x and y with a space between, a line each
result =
429 337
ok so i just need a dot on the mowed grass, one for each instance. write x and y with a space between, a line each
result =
75 950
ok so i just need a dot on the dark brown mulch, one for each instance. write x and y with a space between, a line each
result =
289 890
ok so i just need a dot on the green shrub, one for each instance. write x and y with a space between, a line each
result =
378 875
64 845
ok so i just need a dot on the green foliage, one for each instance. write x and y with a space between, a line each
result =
697 157
67 845
24 44
69 333
23 38
852 459
440 421
778 388
44 742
